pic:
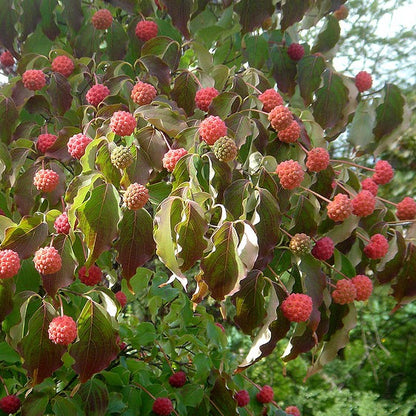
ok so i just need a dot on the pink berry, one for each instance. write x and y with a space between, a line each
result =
290 174
10 404
295 51
280 117
383 172
47 260
123 123
340 208
63 65
61 224
62 330
406 209
122 298
96 94
292 410
146 30
290 134
363 81
136 196
177 379
242 397
102 19
368 184
363 204
143 93
265 395
297 307
204 97
162 406
77 145
90 277
377 247
317 159
270 99
46 180
345 292
45 141
171 157
211 129
6 59
323 249
9 263
34 79
363 286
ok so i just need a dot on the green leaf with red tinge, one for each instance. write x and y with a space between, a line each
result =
253 13
309 79
221 399
184 91
8 119
388 269
306 217
7 289
41 356
30 16
328 37
153 144
48 23
158 68
59 90
135 245
96 347
235 196
73 14
35 404
95 397
167 49
283 70
293 11
180 11
8 20
117 41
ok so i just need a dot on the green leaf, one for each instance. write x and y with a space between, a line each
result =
64 406
73 14
7 289
293 11
180 11
256 50
309 79
153 144
8 20
145 335
117 41
8 119
96 347
8 354
95 398
360 133
225 104
135 245
35 404
165 48
222 400
59 91
184 91
47 10
253 13
283 69
30 16
306 217
235 197
158 68
98 217
328 37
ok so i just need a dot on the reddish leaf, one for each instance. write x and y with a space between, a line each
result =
158 68
7 289
222 400
284 70
8 118
117 41
180 11
293 11
165 48
73 14
387 271
234 196
253 13
30 17
328 37
59 90
153 144
184 92
139 170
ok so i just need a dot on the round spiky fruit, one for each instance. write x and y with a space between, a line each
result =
345 292
62 330
143 93
204 97
61 224
162 406
363 81
297 307
6 59
377 247
90 277
177 379
317 159
242 397
77 145
300 244
290 174
363 204
45 141
63 65
340 208
290 134
171 157
383 172
9 263
295 51
225 149
121 157
146 30
46 180
96 94
122 298
47 260
136 196
123 123
368 184
406 209
363 286
292 410
34 79
270 99
265 395
10 404
323 249
341 13
211 129
280 117
102 19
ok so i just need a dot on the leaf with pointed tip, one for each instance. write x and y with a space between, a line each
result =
360 133
165 48
236 195
41 356
117 41
253 13
180 12
222 399
8 118
256 51
293 11
95 397
98 217
97 346
35 404
283 70
30 17
153 144
7 289
64 406
184 91
8 20
59 90
48 23
388 268
306 217
310 70
328 37
225 104
158 68
135 245
73 14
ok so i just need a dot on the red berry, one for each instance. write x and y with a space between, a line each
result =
123 123
292 410
162 406
96 94
368 184
242 397
317 159
204 97
9 263
363 81
211 129
290 174
63 65
297 307
363 286
122 298
46 180
290 134
6 59
90 277
383 172
102 19
45 141
270 99
61 224
377 248
340 208
280 117
406 209
34 79
47 260
146 30
136 196
295 51
265 395
345 292
177 379
77 145
143 93
10 404
62 330
323 249
171 157
363 204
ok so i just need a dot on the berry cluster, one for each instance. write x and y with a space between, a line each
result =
123 123
90 276
46 180
47 260
121 157
340 208
270 99
34 79
225 149
377 248
77 145
300 244
9 263
45 141
102 19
